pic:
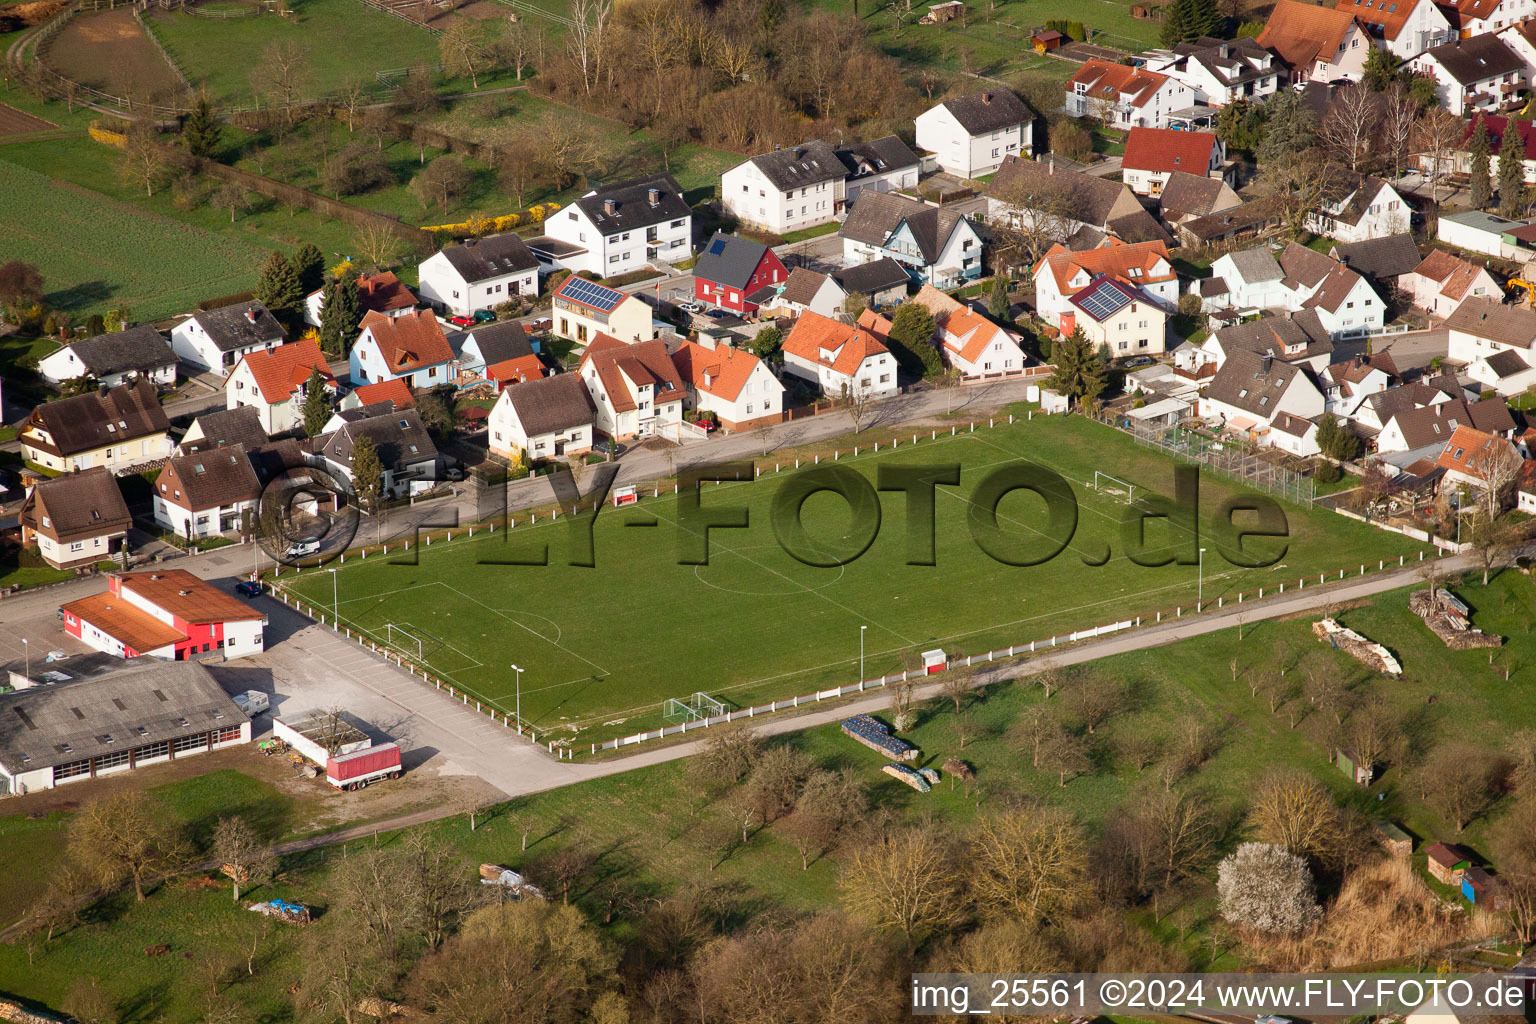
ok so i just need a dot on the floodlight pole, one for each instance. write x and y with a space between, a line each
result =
27 653
519 697
335 603
861 652
1200 583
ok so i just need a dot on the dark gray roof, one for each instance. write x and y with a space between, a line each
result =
730 259
232 327
400 438
228 426
1431 424
1300 336
139 349
480 259
1380 258
875 276
1491 415
874 217
502 341
988 111
365 412
1476 58
90 421
801 285
45 726
1237 65
1485 318
809 163
1087 198
1249 216
1189 195
216 478
1249 381
1507 363
877 157
552 403
632 206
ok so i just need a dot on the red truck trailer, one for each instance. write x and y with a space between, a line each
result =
363 767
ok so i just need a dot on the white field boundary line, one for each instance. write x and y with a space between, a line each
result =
856 452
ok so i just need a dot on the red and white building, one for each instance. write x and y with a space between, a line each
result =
1125 97
1153 154
732 268
168 614
732 383
274 381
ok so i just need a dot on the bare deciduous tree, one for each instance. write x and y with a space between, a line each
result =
586 38
1028 862
1457 782
241 853
282 73
1093 700
1350 123
126 837
1439 133
908 882
1296 812
1399 117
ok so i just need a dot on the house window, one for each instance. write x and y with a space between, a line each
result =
77 546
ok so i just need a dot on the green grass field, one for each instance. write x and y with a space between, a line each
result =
343 38
96 253
603 648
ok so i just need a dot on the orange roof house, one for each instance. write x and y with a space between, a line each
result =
834 354
971 342
376 293
1116 83
273 381
636 387
515 371
1152 154
1311 40
732 383
1063 273
396 390
1477 458
410 347
164 613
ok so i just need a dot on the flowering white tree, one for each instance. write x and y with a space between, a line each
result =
1268 889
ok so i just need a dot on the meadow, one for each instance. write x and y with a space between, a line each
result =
342 40
97 253
602 648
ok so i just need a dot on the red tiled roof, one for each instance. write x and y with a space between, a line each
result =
1469 450
1385 17
1163 149
515 371
1112 81
1117 261
133 627
409 342
188 597
644 362
383 292
832 343
721 371
1454 274
1462 13
1301 33
396 390
283 371
1498 127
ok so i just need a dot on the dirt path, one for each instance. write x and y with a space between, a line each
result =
107 50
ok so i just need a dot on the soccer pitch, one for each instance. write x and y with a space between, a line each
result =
604 647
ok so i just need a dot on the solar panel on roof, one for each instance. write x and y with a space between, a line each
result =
592 294
717 247
1103 302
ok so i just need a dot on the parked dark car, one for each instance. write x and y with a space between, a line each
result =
249 588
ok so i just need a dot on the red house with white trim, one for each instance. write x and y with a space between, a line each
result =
737 274
166 613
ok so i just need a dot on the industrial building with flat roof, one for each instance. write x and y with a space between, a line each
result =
113 723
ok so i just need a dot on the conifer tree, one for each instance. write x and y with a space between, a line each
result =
317 407
202 130
1482 184
278 288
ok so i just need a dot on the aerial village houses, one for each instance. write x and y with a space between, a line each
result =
1385 261
625 226
970 342
1315 43
76 519
1083 209
1405 28
842 358
1251 390
396 392
113 359
274 381
1476 459
169 614
730 382
405 449
116 428
221 427
635 387
1220 71
1062 274
584 309
215 339
479 274
1482 327
971 135
376 293
1441 281
1297 338
208 493
1125 97
938 244
788 189
880 283
499 352
1479 74
411 348
882 165
1479 17
805 289
1119 315
1360 210
1185 197
1153 154
550 416
732 269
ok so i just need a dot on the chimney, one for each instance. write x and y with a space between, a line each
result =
986 97
1050 165
654 195
799 152
250 315
1268 362
610 207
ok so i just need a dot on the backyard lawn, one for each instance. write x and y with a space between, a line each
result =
600 656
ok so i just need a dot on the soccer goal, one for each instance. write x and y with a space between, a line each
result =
408 642
692 709
1113 486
